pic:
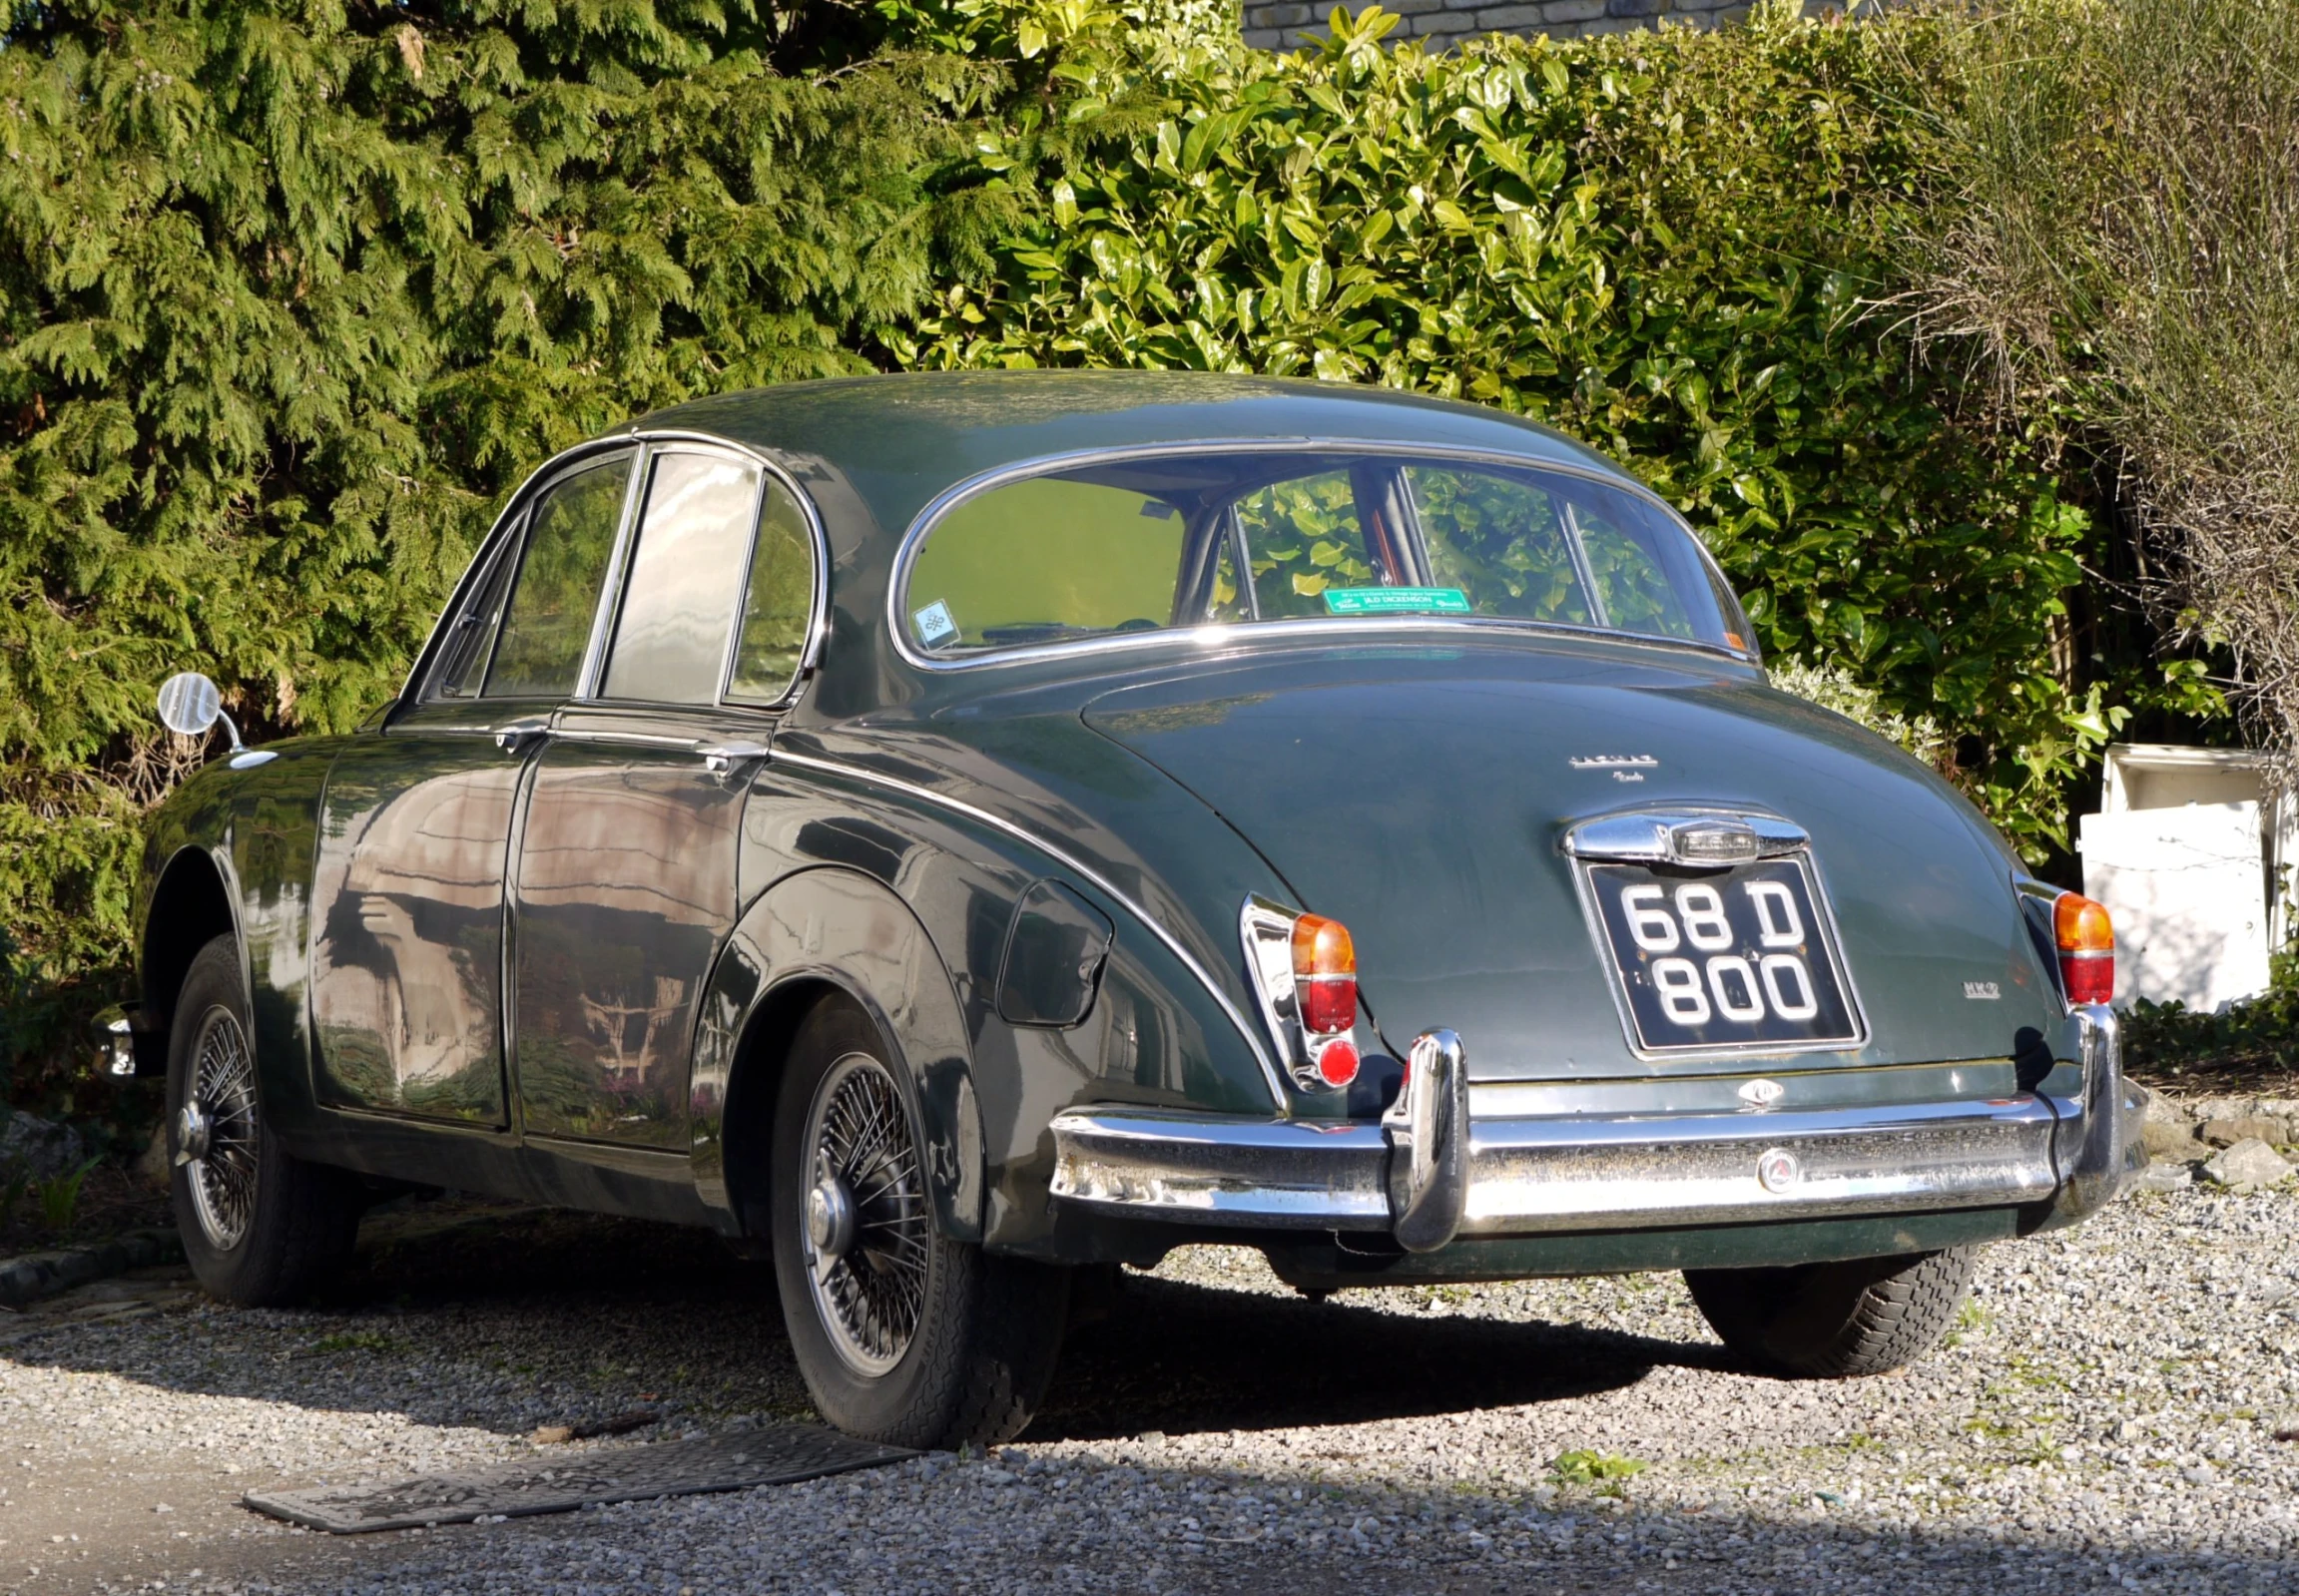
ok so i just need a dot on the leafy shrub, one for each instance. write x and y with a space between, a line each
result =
291 296
2111 223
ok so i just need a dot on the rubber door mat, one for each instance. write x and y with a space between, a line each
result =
771 1455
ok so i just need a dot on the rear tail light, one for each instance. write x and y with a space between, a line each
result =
1305 967
2087 944
1325 974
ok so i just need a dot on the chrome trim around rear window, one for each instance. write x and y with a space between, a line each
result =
923 524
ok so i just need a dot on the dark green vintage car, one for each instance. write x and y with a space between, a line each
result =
962 833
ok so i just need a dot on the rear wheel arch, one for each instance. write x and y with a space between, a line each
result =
832 934
192 906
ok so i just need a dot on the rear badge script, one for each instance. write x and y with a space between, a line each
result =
1624 767
1982 991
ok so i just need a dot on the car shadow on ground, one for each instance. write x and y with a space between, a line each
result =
1184 1358
581 1318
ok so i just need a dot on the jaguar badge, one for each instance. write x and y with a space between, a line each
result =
1777 1171
1762 1094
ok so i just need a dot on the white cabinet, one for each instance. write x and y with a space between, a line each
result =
2191 863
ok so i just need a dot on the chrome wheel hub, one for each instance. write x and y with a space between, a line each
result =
192 1130
216 1132
867 1238
831 1218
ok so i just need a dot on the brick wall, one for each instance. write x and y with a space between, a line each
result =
1282 26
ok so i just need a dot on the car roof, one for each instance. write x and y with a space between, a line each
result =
901 441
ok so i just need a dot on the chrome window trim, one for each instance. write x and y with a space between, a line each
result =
608 607
508 523
1070 861
923 524
1799 852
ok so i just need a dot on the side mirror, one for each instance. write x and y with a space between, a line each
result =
189 705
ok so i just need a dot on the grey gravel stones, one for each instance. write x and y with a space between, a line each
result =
2105 1418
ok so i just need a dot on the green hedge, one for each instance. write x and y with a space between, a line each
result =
290 293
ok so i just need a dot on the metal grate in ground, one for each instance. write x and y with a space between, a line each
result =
771 1455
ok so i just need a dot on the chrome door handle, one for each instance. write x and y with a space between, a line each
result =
720 758
513 735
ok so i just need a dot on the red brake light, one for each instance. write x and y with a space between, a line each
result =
2086 948
1325 977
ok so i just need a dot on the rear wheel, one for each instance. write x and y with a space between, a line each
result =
1829 1321
902 1335
259 1226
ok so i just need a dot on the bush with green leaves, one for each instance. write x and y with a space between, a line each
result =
291 292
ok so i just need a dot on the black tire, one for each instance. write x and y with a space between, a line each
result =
261 1227
909 1339
1832 1321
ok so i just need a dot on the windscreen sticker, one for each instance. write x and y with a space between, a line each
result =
934 625
1396 601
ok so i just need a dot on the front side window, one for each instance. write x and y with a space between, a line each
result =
546 626
1187 541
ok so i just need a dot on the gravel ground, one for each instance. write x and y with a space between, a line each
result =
2105 1418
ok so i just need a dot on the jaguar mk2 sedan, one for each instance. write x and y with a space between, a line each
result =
959 835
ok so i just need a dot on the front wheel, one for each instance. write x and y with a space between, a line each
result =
902 1335
1830 1321
259 1226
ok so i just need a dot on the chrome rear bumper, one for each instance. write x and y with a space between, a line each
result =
1429 1171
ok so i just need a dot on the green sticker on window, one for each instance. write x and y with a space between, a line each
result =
1396 601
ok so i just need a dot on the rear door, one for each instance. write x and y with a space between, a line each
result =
407 961
624 886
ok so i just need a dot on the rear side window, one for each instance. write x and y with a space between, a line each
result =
1045 559
778 602
546 629
677 610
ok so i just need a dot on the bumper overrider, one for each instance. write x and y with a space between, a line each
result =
1429 1171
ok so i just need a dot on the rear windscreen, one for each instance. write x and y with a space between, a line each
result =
1193 540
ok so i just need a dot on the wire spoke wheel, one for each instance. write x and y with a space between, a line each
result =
217 1131
866 1237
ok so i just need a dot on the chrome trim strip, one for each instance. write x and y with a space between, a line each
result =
897 582
1527 1177
606 609
1070 862
1648 836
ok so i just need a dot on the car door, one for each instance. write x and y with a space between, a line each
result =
407 955
624 887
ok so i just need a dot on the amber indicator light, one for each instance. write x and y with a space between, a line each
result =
2086 948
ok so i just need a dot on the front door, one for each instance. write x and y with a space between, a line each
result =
625 888
414 842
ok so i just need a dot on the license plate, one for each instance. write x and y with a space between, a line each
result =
1724 960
